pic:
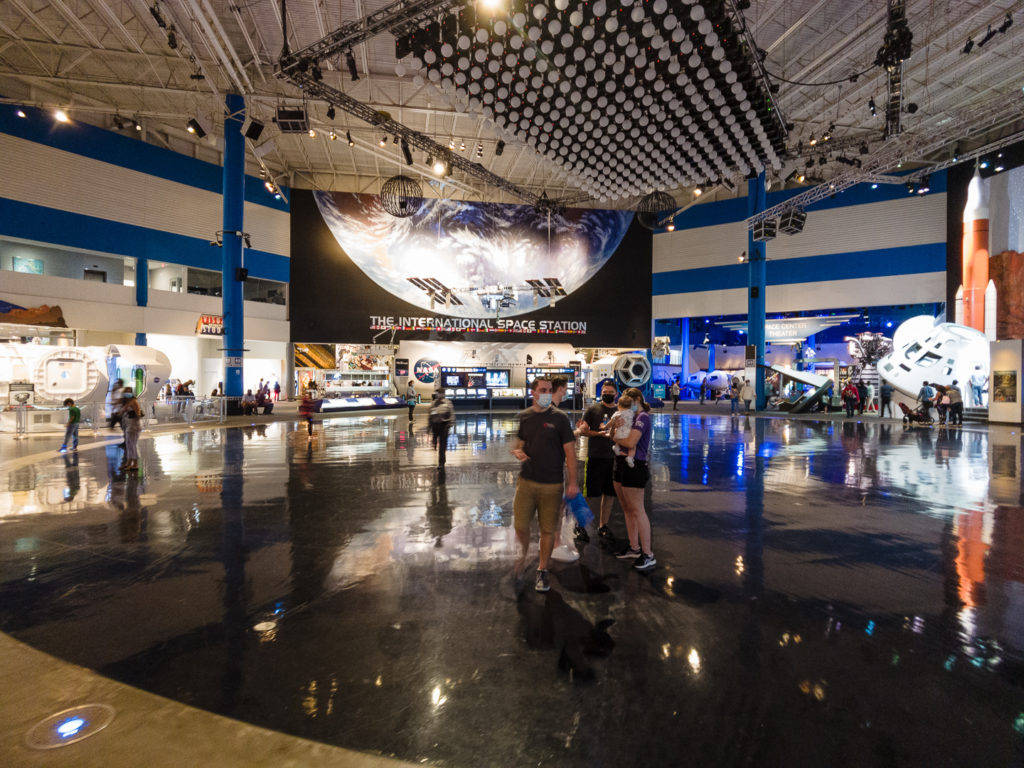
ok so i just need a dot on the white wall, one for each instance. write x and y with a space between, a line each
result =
41 175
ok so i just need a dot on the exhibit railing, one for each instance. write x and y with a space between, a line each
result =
187 410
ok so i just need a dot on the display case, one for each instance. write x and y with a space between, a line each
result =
465 385
356 383
573 395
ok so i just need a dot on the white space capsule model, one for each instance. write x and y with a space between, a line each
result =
927 349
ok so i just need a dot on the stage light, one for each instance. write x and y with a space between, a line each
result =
491 5
330 112
911 108
462 146
969 45
136 125
998 168
439 167
332 136
350 61
499 148
21 113
800 178
1007 23
864 148
872 107
312 133
406 153
61 116
316 73
874 186
394 139
451 144
193 127
670 227
983 164
348 136
988 36
697 191
813 141
383 142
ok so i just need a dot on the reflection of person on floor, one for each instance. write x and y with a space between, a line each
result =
72 482
545 447
439 513
129 522
703 390
441 418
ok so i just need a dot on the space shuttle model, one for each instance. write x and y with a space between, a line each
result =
976 296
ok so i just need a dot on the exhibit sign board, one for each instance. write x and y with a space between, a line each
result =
210 325
456 270
1004 386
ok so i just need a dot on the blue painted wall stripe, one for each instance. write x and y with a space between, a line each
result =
75 230
884 262
735 209
110 147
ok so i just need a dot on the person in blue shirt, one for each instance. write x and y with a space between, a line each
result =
926 397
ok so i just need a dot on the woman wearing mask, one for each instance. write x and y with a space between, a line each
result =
630 482
132 415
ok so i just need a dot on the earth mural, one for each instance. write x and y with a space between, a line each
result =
472 248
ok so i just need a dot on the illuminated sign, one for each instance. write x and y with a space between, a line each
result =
477 325
210 325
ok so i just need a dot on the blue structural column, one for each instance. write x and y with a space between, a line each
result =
234 199
141 292
756 202
684 349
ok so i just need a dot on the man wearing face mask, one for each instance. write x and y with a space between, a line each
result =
546 448
597 472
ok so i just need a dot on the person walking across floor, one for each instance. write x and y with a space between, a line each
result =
307 407
277 391
546 449
747 394
630 482
71 428
734 395
862 396
703 390
600 464
850 398
132 419
956 403
410 397
673 391
885 398
441 419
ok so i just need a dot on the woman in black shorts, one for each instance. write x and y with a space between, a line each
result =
630 482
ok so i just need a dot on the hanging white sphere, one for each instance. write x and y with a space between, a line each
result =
515 42
612 24
697 12
519 19
637 14
546 47
587 33
430 57
600 7
539 11
600 46
648 29
575 18
561 4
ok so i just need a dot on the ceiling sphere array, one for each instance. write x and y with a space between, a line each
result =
626 96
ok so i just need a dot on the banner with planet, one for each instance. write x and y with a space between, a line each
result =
456 269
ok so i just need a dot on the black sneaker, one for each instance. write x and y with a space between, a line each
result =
628 553
644 562
605 533
581 534
542 585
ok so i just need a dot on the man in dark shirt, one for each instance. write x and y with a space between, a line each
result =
546 447
885 399
597 472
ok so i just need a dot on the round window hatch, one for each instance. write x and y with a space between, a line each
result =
69 726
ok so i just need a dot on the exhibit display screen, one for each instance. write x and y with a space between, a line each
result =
458 270
467 378
497 378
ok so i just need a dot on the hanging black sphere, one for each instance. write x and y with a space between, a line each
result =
652 207
400 196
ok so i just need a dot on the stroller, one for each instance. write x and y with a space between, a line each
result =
915 416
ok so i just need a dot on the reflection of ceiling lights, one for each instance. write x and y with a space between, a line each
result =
624 98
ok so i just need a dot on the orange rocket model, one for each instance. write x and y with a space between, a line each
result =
975 253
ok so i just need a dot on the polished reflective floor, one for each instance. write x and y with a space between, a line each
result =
827 593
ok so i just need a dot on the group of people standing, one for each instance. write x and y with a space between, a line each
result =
619 442
947 400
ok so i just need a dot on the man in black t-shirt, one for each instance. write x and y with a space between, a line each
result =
546 447
597 472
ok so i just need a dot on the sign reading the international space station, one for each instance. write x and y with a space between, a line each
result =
456 269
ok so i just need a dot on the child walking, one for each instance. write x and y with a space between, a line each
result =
71 428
